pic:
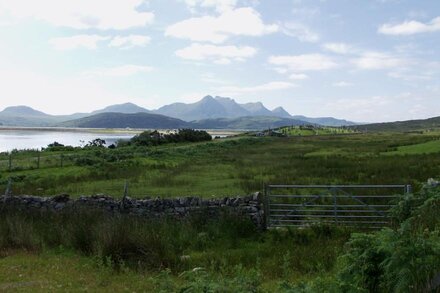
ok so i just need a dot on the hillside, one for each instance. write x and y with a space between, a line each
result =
402 126
25 116
326 121
127 108
246 123
207 108
218 107
147 120
121 120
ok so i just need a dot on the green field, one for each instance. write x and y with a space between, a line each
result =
429 147
234 166
314 130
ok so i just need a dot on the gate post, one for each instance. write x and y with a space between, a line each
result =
335 205
266 204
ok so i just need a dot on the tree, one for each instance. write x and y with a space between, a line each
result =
97 142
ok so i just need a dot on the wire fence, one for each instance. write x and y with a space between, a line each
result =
19 162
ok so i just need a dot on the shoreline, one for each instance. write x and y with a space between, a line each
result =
227 132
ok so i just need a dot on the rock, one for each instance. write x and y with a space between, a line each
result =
257 196
61 198
59 206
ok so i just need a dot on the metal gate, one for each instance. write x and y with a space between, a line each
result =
347 205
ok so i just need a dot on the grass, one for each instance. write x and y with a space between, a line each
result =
235 166
55 271
429 147
314 130
99 252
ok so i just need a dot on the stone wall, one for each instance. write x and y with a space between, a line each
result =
249 206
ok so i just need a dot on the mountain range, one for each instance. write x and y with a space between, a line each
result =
218 112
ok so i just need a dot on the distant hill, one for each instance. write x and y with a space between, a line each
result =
148 120
257 109
232 108
325 121
402 126
217 107
220 107
127 108
280 112
22 111
122 120
25 116
207 108
247 123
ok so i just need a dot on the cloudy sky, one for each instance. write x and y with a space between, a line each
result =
375 60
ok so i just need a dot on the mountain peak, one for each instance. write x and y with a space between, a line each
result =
281 112
257 109
208 98
126 108
23 111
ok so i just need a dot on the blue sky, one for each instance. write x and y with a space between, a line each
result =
376 60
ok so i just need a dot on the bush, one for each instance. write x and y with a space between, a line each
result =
154 138
401 260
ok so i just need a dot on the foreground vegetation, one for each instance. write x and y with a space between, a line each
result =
91 251
225 254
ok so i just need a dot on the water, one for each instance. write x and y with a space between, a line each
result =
28 138
11 139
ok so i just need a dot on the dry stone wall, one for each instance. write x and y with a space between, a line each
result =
249 206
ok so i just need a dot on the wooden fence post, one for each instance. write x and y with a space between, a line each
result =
38 160
8 191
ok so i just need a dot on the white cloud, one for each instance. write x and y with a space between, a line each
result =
342 84
119 71
339 48
301 32
409 76
298 76
270 86
217 54
238 22
380 108
306 12
410 27
211 78
127 42
81 14
378 60
306 62
219 5
79 41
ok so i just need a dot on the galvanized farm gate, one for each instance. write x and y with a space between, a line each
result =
346 205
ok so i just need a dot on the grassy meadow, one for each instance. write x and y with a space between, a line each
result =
233 166
94 252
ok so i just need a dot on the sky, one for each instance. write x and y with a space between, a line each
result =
362 60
